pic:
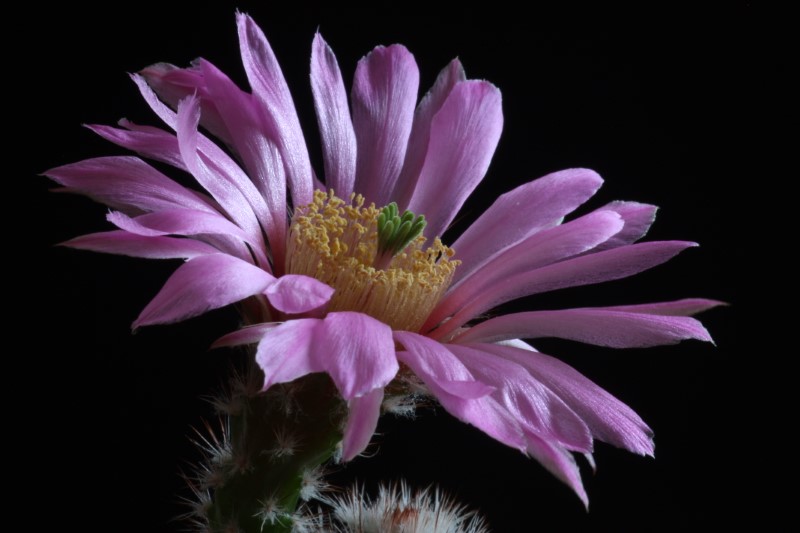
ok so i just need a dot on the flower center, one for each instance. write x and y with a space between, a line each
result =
375 259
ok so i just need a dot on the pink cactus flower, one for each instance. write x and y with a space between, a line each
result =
345 274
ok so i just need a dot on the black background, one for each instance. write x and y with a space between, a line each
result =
655 101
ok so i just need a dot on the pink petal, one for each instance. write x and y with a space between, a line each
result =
685 307
559 462
430 104
358 352
534 406
609 419
124 243
638 219
125 183
464 135
272 92
246 335
361 423
584 270
333 116
209 164
526 210
288 351
209 82
147 141
485 413
437 363
259 153
159 108
600 326
384 94
539 250
180 222
230 238
224 190
204 283
172 84
296 294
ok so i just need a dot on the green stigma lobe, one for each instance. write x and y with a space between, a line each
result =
395 232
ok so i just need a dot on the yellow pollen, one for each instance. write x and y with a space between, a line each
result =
336 242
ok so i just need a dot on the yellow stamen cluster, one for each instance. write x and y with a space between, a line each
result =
336 242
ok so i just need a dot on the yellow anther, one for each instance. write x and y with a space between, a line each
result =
336 242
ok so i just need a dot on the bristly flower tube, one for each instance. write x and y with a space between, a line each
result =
349 278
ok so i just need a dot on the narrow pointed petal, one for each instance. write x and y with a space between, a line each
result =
184 222
361 423
202 284
228 237
209 164
225 191
246 335
384 95
295 294
271 91
464 135
609 419
608 265
537 251
599 326
685 307
522 212
420 136
531 403
124 243
559 462
147 141
436 362
333 117
638 219
357 363
251 139
125 183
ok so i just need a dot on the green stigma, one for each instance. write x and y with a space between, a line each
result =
395 232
